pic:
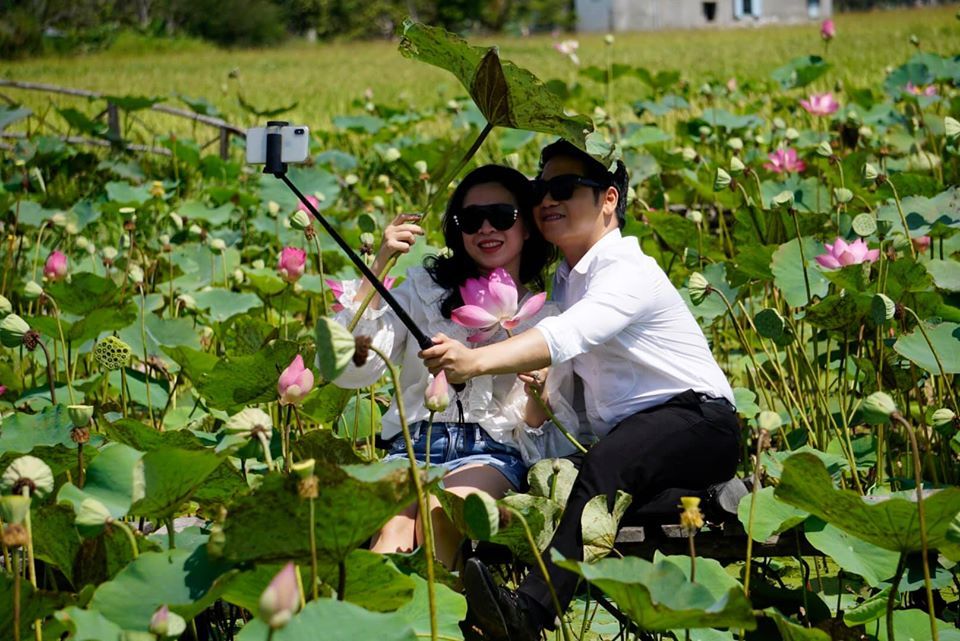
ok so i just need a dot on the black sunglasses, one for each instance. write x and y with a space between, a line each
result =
502 216
560 187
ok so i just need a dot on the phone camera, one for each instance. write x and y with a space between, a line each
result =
298 131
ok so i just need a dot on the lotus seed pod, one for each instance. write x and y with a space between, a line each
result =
420 166
14 508
81 243
870 172
608 39
694 216
778 123
735 143
217 244
80 415
238 276
110 253
30 473
167 624
300 220
865 132
784 199
878 408
92 515
383 179
32 290
258 264
914 40
943 418
824 149
177 220
187 301
689 154
195 230
760 139
704 131
952 127
112 353
12 330
736 166
135 273
366 238
699 288
304 469
392 154
769 421
128 211
320 196
250 422
722 180
6 307
843 195
59 219
351 179
791 134
378 202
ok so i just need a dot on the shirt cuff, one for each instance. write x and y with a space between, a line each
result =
562 342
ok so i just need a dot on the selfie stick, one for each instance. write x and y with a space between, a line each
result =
275 166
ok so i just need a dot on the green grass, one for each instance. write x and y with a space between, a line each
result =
327 78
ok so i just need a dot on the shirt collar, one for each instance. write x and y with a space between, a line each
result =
583 265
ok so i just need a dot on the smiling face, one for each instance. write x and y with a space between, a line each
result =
575 224
489 247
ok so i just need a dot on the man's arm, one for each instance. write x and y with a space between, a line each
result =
524 352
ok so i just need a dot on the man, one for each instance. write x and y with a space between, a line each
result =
653 392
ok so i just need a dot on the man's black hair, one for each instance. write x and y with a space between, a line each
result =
594 170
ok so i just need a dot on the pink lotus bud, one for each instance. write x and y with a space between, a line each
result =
784 161
820 104
292 263
921 243
840 254
56 266
437 396
281 600
828 31
3 390
295 382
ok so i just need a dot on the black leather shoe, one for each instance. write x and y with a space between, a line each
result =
499 613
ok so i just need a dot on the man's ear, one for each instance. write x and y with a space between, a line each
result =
610 199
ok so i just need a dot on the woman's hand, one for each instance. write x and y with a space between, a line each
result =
534 384
451 356
399 236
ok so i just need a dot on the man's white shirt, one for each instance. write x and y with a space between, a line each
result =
634 342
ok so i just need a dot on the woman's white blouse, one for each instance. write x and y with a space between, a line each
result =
495 402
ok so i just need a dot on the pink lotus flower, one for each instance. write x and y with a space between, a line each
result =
784 160
336 287
921 243
313 200
292 263
281 600
828 31
56 266
295 382
3 390
820 104
569 49
491 303
436 398
840 254
929 90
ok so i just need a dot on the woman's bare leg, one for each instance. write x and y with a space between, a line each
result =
462 482
398 533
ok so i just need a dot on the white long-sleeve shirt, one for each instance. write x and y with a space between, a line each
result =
497 403
631 337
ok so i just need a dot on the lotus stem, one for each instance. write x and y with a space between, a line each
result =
553 417
352 325
130 537
146 368
423 504
894 590
341 580
66 352
448 176
754 491
803 259
31 562
903 218
123 391
265 444
921 518
323 297
51 381
936 356
314 564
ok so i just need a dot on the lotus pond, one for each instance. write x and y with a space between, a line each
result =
162 478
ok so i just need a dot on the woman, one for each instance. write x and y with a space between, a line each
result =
489 435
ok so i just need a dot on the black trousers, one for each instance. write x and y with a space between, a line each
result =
686 442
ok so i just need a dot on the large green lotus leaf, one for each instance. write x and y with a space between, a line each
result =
788 271
770 516
324 445
222 304
599 525
141 437
88 625
676 231
325 404
213 216
84 293
161 332
712 306
800 71
194 363
123 193
115 479
945 338
102 320
873 563
913 625
891 524
541 514
373 581
710 572
746 402
272 523
328 620
729 121
137 385
171 476
658 596
309 180
507 95
922 213
790 631
222 486
946 274
55 540
358 420
187 582
809 194
552 479
839 311
21 432
870 610
773 461
451 609
238 381
34 605
478 519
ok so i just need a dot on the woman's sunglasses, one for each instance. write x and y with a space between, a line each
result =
502 216
560 187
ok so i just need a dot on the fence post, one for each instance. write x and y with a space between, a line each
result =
224 143
113 123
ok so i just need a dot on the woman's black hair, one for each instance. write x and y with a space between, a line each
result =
593 169
453 270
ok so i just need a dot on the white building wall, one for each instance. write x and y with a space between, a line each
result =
650 15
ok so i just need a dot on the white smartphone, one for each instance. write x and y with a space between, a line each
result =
295 147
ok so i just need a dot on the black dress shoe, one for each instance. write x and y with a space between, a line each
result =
499 613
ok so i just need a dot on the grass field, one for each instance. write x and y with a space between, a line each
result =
326 78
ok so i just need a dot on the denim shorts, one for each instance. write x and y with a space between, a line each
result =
456 445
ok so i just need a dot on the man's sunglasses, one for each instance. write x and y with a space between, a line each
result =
502 216
560 187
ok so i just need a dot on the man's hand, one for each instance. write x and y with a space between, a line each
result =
451 356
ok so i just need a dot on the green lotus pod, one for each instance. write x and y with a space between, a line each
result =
882 308
870 172
769 323
5 307
335 348
689 154
791 134
824 149
92 515
691 257
769 421
14 508
216 244
27 472
80 415
878 408
366 238
304 469
952 127
943 418
784 199
112 353
249 421
736 166
864 225
843 195
722 180
735 143
699 288
694 216
914 40
12 330
300 220
32 290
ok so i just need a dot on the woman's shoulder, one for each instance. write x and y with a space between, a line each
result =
418 278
